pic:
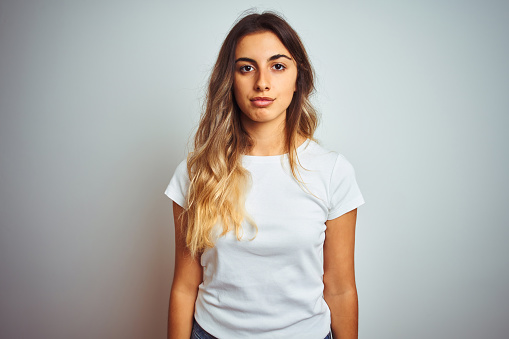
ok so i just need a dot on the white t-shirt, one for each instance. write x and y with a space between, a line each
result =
272 286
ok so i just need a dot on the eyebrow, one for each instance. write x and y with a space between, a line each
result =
274 57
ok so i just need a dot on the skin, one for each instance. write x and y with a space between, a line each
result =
265 68
340 291
186 279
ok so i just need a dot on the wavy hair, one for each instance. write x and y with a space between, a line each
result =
218 181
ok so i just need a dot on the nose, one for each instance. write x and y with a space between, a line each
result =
263 81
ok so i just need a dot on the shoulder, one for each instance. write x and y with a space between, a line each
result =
327 166
334 164
336 174
312 150
317 157
181 169
179 185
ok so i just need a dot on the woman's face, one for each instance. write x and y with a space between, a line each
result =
265 79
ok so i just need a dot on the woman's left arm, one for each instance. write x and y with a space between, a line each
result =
340 291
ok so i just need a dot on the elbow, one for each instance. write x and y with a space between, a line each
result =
334 289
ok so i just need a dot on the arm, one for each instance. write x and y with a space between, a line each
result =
340 291
186 279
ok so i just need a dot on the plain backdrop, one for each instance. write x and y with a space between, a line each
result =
98 101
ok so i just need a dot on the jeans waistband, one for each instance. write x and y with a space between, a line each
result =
200 333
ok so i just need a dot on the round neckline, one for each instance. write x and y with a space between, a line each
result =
272 158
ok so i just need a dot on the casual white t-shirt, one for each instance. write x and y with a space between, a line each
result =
272 286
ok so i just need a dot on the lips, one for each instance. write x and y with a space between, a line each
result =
262 101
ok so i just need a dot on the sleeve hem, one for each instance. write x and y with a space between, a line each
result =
176 197
345 208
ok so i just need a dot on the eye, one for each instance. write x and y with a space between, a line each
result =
279 67
246 68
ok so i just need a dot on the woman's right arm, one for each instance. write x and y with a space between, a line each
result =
186 279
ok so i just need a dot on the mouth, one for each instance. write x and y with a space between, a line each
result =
262 101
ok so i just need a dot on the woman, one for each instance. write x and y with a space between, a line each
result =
264 216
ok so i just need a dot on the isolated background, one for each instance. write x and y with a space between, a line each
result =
98 100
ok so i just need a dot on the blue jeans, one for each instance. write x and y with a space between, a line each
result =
200 333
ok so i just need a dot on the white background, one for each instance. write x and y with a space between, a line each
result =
98 101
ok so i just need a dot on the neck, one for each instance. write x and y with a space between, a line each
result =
268 138
267 146
272 146
266 142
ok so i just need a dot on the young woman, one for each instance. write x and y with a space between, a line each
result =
264 216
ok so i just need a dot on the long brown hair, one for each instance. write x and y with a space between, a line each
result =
218 181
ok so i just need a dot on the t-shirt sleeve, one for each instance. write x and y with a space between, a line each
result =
344 193
179 185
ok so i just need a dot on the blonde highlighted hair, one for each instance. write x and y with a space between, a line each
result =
218 181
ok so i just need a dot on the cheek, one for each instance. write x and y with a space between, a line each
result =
238 87
236 93
291 87
291 83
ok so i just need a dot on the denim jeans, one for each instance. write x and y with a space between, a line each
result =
200 333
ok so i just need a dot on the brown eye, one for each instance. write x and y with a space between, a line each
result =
279 67
246 68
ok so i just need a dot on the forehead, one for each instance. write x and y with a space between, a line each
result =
260 44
